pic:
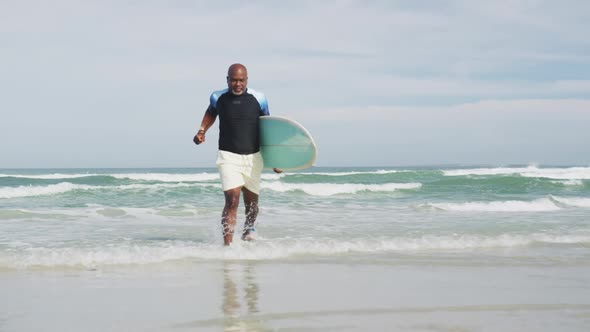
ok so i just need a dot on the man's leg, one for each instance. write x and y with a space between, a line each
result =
229 214
251 203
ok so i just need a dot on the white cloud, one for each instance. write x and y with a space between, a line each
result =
386 114
484 132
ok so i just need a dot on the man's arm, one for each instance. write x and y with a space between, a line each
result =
206 123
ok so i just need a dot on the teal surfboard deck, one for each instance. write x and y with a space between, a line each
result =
285 144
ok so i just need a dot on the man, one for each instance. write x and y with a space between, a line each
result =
239 161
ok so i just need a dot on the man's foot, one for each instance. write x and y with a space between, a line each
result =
249 234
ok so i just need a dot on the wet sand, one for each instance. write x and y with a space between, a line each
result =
293 295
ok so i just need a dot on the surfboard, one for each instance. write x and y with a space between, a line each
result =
286 144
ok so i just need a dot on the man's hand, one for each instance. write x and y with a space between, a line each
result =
199 137
278 171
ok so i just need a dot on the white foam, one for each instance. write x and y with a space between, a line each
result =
569 182
382 171
582 202
275 176
487 171
572 173
53 176
329 189
272 176
538 205
160 177
63 187
265 249
94 212
159 185
28 191
165 177
568 173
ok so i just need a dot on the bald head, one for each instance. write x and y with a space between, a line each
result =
237 78
237 68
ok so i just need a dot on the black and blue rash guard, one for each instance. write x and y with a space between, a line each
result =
238 119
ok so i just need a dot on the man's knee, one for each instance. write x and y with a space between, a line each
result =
232 198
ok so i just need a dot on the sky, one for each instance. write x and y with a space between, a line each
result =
88 84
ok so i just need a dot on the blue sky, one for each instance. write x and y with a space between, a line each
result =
377 83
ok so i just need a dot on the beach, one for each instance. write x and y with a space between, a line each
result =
461 248
299 296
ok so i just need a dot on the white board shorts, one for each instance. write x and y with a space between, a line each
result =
237 170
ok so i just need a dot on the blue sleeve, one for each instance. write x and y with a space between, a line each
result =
264 108
262 101
212 109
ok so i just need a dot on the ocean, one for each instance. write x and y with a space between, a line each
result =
458 248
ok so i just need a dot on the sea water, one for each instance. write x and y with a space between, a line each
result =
53 218
459 248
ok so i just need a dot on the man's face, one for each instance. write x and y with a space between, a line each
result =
237 82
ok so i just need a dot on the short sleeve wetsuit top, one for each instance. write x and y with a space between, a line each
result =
238 119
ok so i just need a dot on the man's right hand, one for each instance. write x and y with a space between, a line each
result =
199 137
